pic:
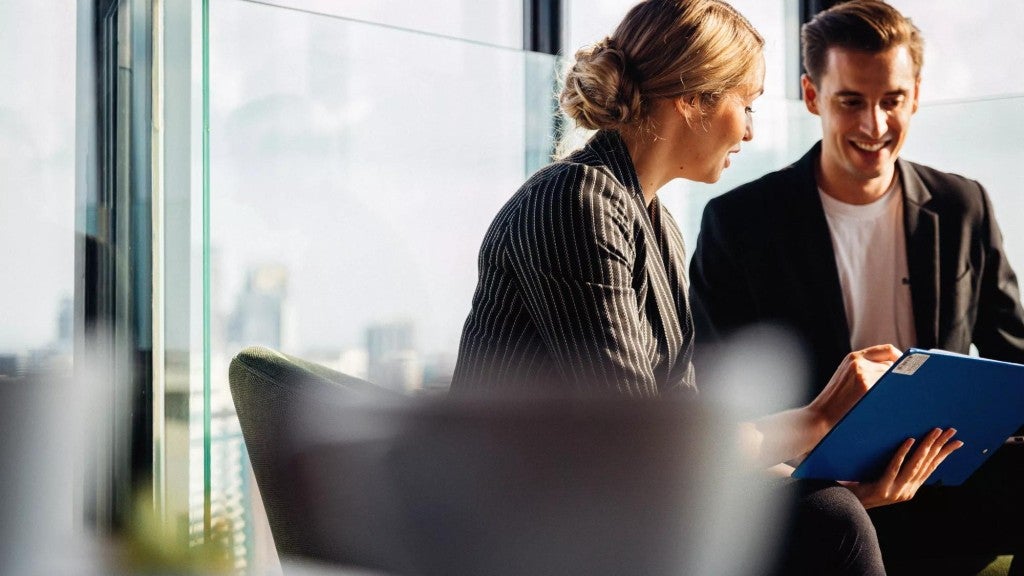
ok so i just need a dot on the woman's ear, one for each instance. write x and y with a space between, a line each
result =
689 108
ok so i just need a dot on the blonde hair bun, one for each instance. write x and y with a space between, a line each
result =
661 49
600 90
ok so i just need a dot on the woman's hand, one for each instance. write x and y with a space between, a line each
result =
856 374
786 435
901 480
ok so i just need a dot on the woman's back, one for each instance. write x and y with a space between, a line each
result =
579 289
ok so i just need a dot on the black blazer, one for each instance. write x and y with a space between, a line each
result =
581 286
764 255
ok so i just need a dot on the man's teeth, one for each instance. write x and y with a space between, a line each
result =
869 147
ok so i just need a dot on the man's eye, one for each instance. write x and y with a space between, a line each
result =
892 103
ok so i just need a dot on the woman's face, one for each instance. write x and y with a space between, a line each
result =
719 131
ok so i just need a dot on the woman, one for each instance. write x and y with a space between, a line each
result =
582 284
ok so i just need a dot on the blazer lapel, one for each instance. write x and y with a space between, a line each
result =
609 147
812 251
922 230
659 266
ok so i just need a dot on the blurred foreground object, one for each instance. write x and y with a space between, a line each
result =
42 448
356 476
52 485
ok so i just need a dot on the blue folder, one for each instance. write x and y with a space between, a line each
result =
925 389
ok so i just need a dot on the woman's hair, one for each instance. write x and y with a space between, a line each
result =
863 25
662 49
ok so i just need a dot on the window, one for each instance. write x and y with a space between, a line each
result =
968 65
493 22
37 184
354 169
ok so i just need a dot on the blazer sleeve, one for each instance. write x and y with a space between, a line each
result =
999 328
574 253
719 290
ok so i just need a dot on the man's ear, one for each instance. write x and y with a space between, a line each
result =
810 92
917 91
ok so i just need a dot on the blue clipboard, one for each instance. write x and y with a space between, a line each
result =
925 389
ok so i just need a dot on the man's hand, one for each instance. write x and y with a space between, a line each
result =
901 480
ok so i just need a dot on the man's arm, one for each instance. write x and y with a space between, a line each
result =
719 290
999 328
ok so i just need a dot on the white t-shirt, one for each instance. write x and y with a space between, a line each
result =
871 255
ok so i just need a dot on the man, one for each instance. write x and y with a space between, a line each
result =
853 246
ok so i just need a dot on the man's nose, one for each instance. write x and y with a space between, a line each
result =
875 122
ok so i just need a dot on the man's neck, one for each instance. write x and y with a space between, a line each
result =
851 191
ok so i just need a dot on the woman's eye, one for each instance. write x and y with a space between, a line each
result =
749 110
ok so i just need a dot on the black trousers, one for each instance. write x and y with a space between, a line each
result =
957 530
827 533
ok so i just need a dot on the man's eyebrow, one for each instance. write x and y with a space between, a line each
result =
855 94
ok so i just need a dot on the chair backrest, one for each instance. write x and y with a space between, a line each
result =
266 386
353 475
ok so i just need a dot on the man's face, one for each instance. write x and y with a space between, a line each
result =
865 101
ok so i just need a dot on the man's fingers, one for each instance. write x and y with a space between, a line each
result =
947 450
931 451
902 477
940 449
918 462
896 464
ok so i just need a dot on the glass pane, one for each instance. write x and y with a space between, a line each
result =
181 272
986 152
496 22
961 64
350 190
41 499
37 186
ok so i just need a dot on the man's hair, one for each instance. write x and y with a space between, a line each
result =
870 26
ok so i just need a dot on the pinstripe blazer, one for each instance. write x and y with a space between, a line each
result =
581 286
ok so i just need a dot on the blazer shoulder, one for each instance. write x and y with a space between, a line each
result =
757 198
951 191
567 191
593 186
945 182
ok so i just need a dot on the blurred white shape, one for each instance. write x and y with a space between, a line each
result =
754 373
46 422
518 485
